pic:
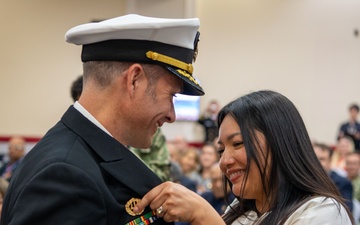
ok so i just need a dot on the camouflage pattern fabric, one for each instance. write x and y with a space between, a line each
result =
157 157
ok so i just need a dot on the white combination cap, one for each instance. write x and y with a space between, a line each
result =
171 43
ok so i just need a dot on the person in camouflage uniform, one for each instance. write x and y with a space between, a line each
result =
157 157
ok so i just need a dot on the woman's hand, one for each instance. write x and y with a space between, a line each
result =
174 202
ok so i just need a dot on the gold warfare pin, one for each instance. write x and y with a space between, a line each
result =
130 206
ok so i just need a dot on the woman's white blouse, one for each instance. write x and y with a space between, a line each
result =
316 211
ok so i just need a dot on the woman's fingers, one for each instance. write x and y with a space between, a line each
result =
152 198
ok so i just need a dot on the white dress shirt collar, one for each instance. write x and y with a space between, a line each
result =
85 113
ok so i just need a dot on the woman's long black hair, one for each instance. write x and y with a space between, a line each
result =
294 174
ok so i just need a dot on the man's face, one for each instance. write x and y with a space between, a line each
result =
16 148
353 165
324 158
154 108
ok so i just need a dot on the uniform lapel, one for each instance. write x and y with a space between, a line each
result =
115 159
133 173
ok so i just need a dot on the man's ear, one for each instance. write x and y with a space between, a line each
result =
134 77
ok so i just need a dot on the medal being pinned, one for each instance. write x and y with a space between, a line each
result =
130 206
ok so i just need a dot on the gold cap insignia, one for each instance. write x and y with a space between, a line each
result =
188 67
130 206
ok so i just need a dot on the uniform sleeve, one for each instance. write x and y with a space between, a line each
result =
319 212
59 194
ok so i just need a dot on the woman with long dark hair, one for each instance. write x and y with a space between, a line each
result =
269 162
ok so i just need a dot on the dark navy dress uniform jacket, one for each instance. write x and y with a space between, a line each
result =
76 174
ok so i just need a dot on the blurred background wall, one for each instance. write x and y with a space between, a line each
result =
307 50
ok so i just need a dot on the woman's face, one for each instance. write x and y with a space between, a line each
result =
233 161
344 146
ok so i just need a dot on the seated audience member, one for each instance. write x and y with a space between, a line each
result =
208 157
344 146
324 154
173 151
180 143
4 184
189 163
351 128
217 196
353 172
177 176
3 187
16 152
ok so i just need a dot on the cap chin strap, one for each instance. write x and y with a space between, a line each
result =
170 61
